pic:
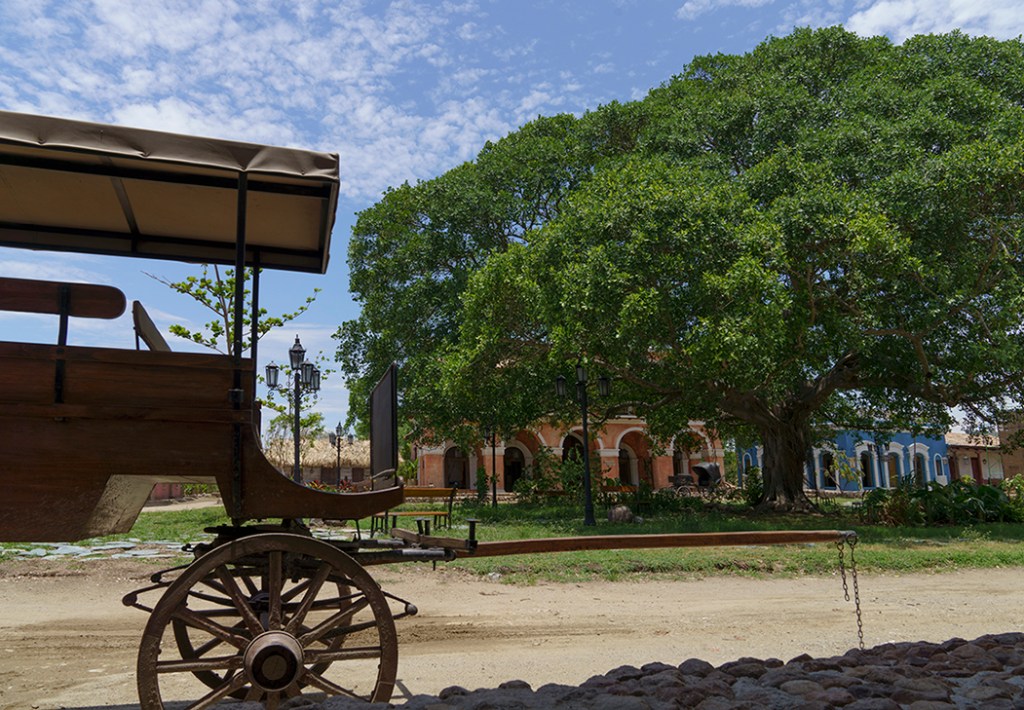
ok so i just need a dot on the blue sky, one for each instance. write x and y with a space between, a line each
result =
402 91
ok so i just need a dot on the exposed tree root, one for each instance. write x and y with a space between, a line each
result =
803 505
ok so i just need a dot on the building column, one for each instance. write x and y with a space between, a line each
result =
661 471
608 464
499 464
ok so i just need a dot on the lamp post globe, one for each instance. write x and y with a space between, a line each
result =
296 354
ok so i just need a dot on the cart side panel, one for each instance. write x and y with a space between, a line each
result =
85 466
266 493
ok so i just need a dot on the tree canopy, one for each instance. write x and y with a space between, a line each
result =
824 232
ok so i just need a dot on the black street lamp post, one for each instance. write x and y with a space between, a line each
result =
336 439
307 376
603 388
492 434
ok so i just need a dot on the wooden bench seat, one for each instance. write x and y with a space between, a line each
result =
440 517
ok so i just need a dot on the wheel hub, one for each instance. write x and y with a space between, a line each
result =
273 660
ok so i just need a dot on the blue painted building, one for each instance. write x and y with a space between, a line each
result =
856 460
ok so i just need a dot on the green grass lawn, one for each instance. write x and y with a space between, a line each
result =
879 550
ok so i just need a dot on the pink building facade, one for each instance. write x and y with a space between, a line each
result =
621 448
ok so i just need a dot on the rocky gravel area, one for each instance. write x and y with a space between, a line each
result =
987 672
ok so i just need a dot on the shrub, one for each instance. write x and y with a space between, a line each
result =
961 502
199 489
753 486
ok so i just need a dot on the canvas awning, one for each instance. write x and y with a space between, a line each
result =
86 187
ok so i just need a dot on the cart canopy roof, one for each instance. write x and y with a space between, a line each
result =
86 187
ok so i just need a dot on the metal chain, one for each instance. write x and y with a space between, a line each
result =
852 542
841 546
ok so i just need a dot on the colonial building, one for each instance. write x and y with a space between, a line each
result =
974 457
620 449
1012 456
857 460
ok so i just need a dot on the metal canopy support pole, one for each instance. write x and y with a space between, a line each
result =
254 317
236 350
243 199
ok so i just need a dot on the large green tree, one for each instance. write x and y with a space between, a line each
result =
823 232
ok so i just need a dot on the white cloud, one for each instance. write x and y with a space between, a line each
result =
402 91
529 106
901 19
692 9
51 267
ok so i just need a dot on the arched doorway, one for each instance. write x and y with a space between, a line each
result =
680 463
515 464
920 474
828 471
572 448
628 472
892 462
456 468
865 469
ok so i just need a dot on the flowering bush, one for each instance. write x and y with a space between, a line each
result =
342 487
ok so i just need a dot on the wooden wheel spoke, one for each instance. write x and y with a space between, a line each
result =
333 620
344 631
271 701
343 654
206 647
214 629
228 610
250 586
220 692
190 665
296 590
313 588
255 693
274 582
210 582
318 681
240 602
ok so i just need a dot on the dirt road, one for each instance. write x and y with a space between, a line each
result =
67 642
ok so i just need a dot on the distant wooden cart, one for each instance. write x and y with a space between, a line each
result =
266 611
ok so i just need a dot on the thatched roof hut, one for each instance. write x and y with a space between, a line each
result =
318 454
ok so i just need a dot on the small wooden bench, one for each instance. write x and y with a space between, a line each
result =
621 495
440 518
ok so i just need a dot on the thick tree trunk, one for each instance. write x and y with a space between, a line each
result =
786 433
786 443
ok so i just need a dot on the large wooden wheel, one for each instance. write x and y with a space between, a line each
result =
263 617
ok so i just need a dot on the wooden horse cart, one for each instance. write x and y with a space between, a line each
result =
266 611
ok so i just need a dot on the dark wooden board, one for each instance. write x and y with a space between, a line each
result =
83 300
631 542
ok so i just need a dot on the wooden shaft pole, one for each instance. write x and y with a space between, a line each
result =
628 542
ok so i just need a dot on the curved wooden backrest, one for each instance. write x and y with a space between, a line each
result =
146 330
60 298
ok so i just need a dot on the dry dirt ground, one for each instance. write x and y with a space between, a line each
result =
67 642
